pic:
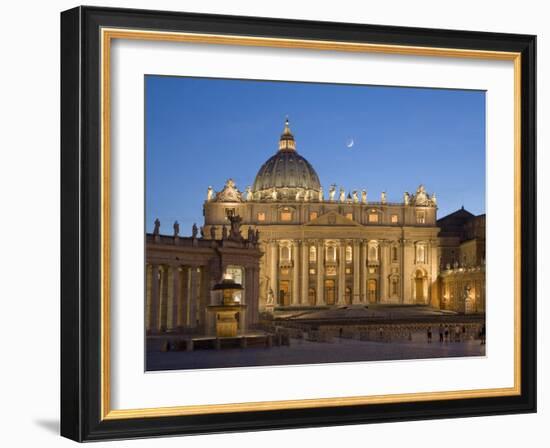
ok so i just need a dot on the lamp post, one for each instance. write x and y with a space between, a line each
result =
225 313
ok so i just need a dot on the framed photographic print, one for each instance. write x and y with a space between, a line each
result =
274 223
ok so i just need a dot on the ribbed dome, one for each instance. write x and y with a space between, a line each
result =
286 171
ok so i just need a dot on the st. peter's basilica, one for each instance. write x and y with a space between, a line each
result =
294 245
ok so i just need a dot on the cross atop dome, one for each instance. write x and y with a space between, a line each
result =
287 142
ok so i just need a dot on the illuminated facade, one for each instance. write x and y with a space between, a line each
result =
462 266
331 249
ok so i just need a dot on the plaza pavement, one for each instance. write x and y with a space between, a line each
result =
307 352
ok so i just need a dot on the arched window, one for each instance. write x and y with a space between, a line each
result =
349 254
331 253
312 254
373 253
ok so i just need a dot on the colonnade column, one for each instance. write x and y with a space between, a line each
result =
356 298
305 273
192 297
163 297
155 299
320 274
148 282
364 272
295 274
341 272
176 289
183 297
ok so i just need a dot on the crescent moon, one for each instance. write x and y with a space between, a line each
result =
350 143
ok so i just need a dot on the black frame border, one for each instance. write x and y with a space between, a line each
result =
81 223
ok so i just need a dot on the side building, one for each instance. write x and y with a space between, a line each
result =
181 273
462 264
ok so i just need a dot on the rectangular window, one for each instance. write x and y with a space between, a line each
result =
229 212
286 216
313 215
421 218
261 216
373 217
312 271
394 219
312 254
348 270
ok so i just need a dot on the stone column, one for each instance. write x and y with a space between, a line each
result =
274 284
305 273
163 297
341 273
356 298
433 290
148 282
193 289
383 271
183 297
295 299
176 288
155 299
254 298
320 274
364 272
408 269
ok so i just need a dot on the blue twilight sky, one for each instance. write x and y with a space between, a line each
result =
200 132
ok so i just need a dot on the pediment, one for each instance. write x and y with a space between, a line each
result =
333 219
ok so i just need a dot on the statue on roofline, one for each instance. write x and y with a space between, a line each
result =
332 192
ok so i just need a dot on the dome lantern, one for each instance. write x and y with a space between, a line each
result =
287 142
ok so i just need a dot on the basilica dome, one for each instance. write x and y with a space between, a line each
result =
287 174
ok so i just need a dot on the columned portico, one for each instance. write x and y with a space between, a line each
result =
181 273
